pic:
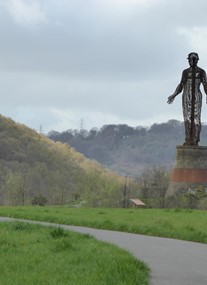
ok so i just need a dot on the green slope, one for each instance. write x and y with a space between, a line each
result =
32 166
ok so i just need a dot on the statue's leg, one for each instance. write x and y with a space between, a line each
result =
197 130
186 103
197 117
187 124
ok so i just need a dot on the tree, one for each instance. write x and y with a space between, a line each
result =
154 182
15 185
195 198
103 190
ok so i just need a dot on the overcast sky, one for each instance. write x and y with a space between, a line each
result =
63 62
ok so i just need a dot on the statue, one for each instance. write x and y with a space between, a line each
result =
191 80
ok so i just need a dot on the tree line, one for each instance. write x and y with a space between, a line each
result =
126 149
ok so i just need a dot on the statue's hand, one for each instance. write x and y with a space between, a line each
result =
171 99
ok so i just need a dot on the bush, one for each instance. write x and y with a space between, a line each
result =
39 200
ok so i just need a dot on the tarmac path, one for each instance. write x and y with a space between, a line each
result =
172 262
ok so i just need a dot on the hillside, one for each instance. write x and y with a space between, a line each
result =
129 150
34 168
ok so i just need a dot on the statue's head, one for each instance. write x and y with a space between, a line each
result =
193 55
193 58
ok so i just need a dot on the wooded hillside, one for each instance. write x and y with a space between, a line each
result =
129 150
35 169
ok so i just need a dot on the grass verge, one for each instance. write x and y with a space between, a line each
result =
33 254
182 224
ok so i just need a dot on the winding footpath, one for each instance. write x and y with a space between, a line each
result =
172 262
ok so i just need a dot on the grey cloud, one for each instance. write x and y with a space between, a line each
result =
83 45
91 58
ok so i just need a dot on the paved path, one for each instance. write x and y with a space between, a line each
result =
172 262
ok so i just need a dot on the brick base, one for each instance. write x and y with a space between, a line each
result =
190 169
189 175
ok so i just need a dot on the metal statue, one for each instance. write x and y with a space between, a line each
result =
191 80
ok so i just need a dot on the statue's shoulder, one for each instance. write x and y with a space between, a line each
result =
185 71
185 74
201 70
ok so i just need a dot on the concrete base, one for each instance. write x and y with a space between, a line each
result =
190 170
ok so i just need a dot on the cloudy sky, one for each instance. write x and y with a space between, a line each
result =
71 63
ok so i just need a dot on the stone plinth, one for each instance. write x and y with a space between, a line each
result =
190 170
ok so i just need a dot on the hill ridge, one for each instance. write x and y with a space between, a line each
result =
128 149
32 165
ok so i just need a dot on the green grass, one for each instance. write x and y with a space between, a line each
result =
33 254
173 223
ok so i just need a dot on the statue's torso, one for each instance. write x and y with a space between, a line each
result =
188 77
190 87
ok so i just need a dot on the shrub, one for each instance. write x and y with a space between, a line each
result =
39 200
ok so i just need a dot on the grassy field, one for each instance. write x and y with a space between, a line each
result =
33 254
173 223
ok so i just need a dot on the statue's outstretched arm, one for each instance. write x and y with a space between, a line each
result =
177 91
